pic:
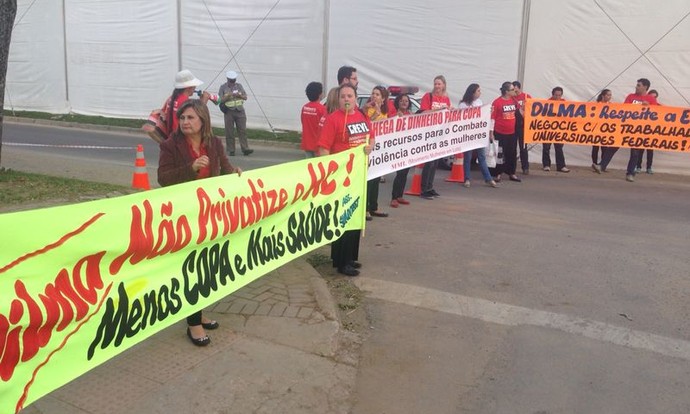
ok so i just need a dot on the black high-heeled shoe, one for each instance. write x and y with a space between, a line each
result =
210 325
198 341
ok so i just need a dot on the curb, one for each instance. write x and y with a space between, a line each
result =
112 128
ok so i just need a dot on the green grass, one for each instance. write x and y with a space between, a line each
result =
258 134
19 188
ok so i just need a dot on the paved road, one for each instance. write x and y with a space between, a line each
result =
567 293
67 151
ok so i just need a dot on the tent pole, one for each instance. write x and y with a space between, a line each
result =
522 56
326 32
179 35
64 52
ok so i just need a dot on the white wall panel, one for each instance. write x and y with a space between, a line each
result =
36 67
409 42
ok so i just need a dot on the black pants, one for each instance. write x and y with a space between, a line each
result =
399 183
346 248
546 155
635 154
524 153
373 194
595 154
508 144
194 319
428 174
650 158
607 154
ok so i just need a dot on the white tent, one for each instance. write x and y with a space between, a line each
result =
119 58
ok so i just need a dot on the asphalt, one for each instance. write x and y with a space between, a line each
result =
279 349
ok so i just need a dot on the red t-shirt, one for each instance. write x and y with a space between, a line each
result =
503 114
166 107
204 172
640 99
433 102
311 116
391 108
342 131
520 99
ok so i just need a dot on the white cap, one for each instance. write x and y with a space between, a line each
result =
231 74
185 79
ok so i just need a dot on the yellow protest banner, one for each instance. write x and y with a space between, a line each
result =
82 283
608 124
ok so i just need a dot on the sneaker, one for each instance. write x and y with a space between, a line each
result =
547 168
650 171
427 195
434 193
596 168
638 170
394 203
466 184
402 201
247 152
629 178
525 172
492 183
348 270
564 170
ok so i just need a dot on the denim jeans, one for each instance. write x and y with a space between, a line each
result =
481 158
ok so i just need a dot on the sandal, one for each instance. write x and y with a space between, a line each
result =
198 341
210 325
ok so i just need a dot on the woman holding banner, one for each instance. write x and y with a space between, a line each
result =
604 96
503 129
402 108
470 99
192 153
345 128
376 109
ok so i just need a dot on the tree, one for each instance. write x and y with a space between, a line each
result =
8 11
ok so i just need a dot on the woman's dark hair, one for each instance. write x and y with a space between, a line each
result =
468 97
602 93
173 98
396 102
313 91
505 87
384 96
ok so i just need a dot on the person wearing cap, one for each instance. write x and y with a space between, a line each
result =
232 97
185 85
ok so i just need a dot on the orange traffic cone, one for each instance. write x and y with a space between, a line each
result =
140 179
416 185
457 171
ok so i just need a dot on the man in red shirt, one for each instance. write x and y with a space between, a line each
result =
520 99
312 112
640 97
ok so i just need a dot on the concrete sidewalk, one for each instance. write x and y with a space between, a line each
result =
278 350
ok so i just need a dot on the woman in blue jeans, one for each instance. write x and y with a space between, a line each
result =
470 99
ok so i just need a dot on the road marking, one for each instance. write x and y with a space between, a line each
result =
22 144
510 315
